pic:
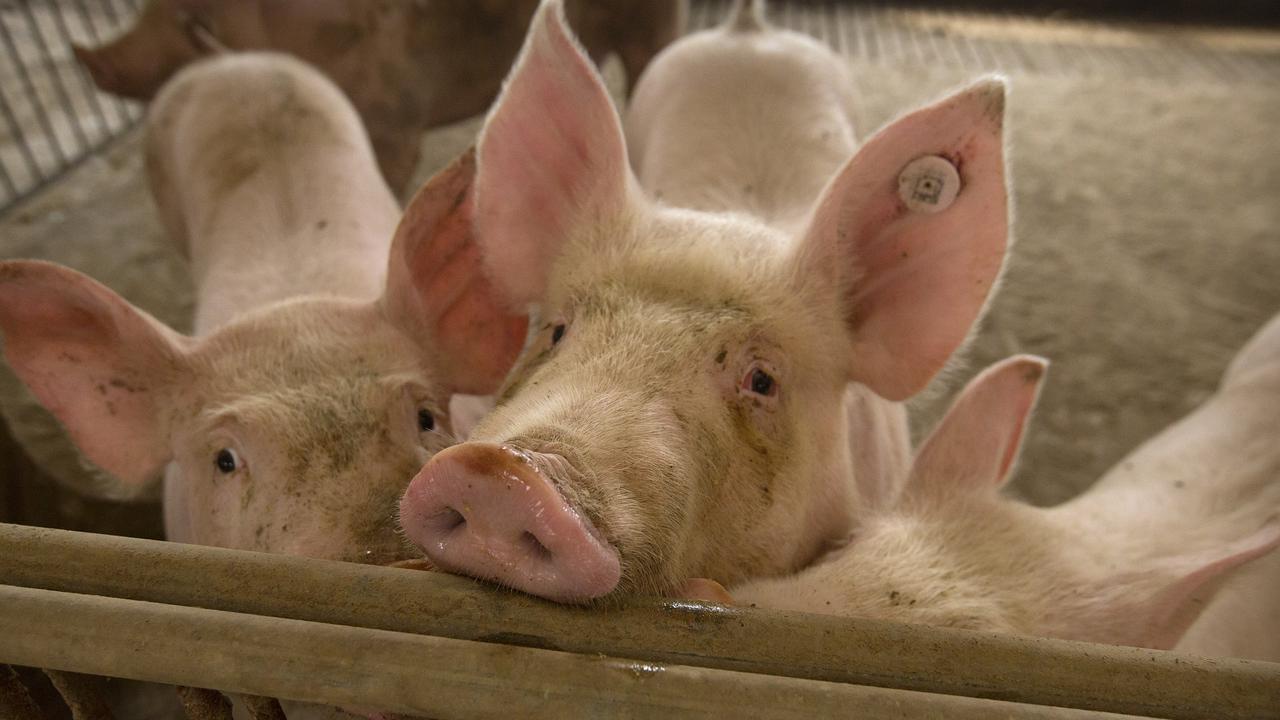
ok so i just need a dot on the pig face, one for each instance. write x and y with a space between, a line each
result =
297 429
952 552
681 411
292 428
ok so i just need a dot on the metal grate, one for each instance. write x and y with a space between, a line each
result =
1016 43
52 115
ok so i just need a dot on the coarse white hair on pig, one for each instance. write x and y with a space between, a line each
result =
1162 552
328 338
682 411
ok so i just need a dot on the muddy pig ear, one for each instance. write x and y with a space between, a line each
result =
104 368
551 159
976 443
912 234
438 290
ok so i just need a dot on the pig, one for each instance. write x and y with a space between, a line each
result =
328 339
682 408
407 65
1172 549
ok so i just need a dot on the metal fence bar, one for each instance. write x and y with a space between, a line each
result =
118 106
15 129
863 652
440 677
86 86
37 106
70 115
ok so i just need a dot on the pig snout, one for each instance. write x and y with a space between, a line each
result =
485 510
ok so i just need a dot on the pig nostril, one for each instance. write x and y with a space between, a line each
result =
536 546
450 519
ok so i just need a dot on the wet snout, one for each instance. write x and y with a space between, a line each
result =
485 510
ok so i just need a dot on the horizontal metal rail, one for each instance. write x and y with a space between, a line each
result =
439 677
810 647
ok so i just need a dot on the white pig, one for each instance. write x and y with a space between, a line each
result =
1133 561
319 375
682 411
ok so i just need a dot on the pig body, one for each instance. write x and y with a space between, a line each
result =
1133 561
328 341
683 409
405 65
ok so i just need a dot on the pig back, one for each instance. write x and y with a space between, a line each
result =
752 121
263 175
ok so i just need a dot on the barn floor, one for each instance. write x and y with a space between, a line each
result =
1146 188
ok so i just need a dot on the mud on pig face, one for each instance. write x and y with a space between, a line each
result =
681 412
293 428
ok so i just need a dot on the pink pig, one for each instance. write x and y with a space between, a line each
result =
328 339
1173 548
407 65
683 410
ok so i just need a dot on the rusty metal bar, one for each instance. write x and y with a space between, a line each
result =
864 652
438 677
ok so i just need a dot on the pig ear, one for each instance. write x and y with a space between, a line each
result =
100 365
912 231
704 590
1191 582
437 289
552 159
977 441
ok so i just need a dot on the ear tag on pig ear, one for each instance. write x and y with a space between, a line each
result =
928 184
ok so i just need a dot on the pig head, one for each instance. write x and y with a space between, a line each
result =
1133 561
294 425
406 65
681 409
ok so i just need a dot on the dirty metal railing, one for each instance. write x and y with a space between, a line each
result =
445 646
51 116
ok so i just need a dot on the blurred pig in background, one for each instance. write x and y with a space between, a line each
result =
406 65
682 411
1173 548
328 339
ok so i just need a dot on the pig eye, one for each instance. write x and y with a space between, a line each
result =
227 461
426 421
557 334
758 381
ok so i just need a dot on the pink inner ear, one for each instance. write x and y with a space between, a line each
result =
977 441
438 291
101 366
551 159
919 281
1173 611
